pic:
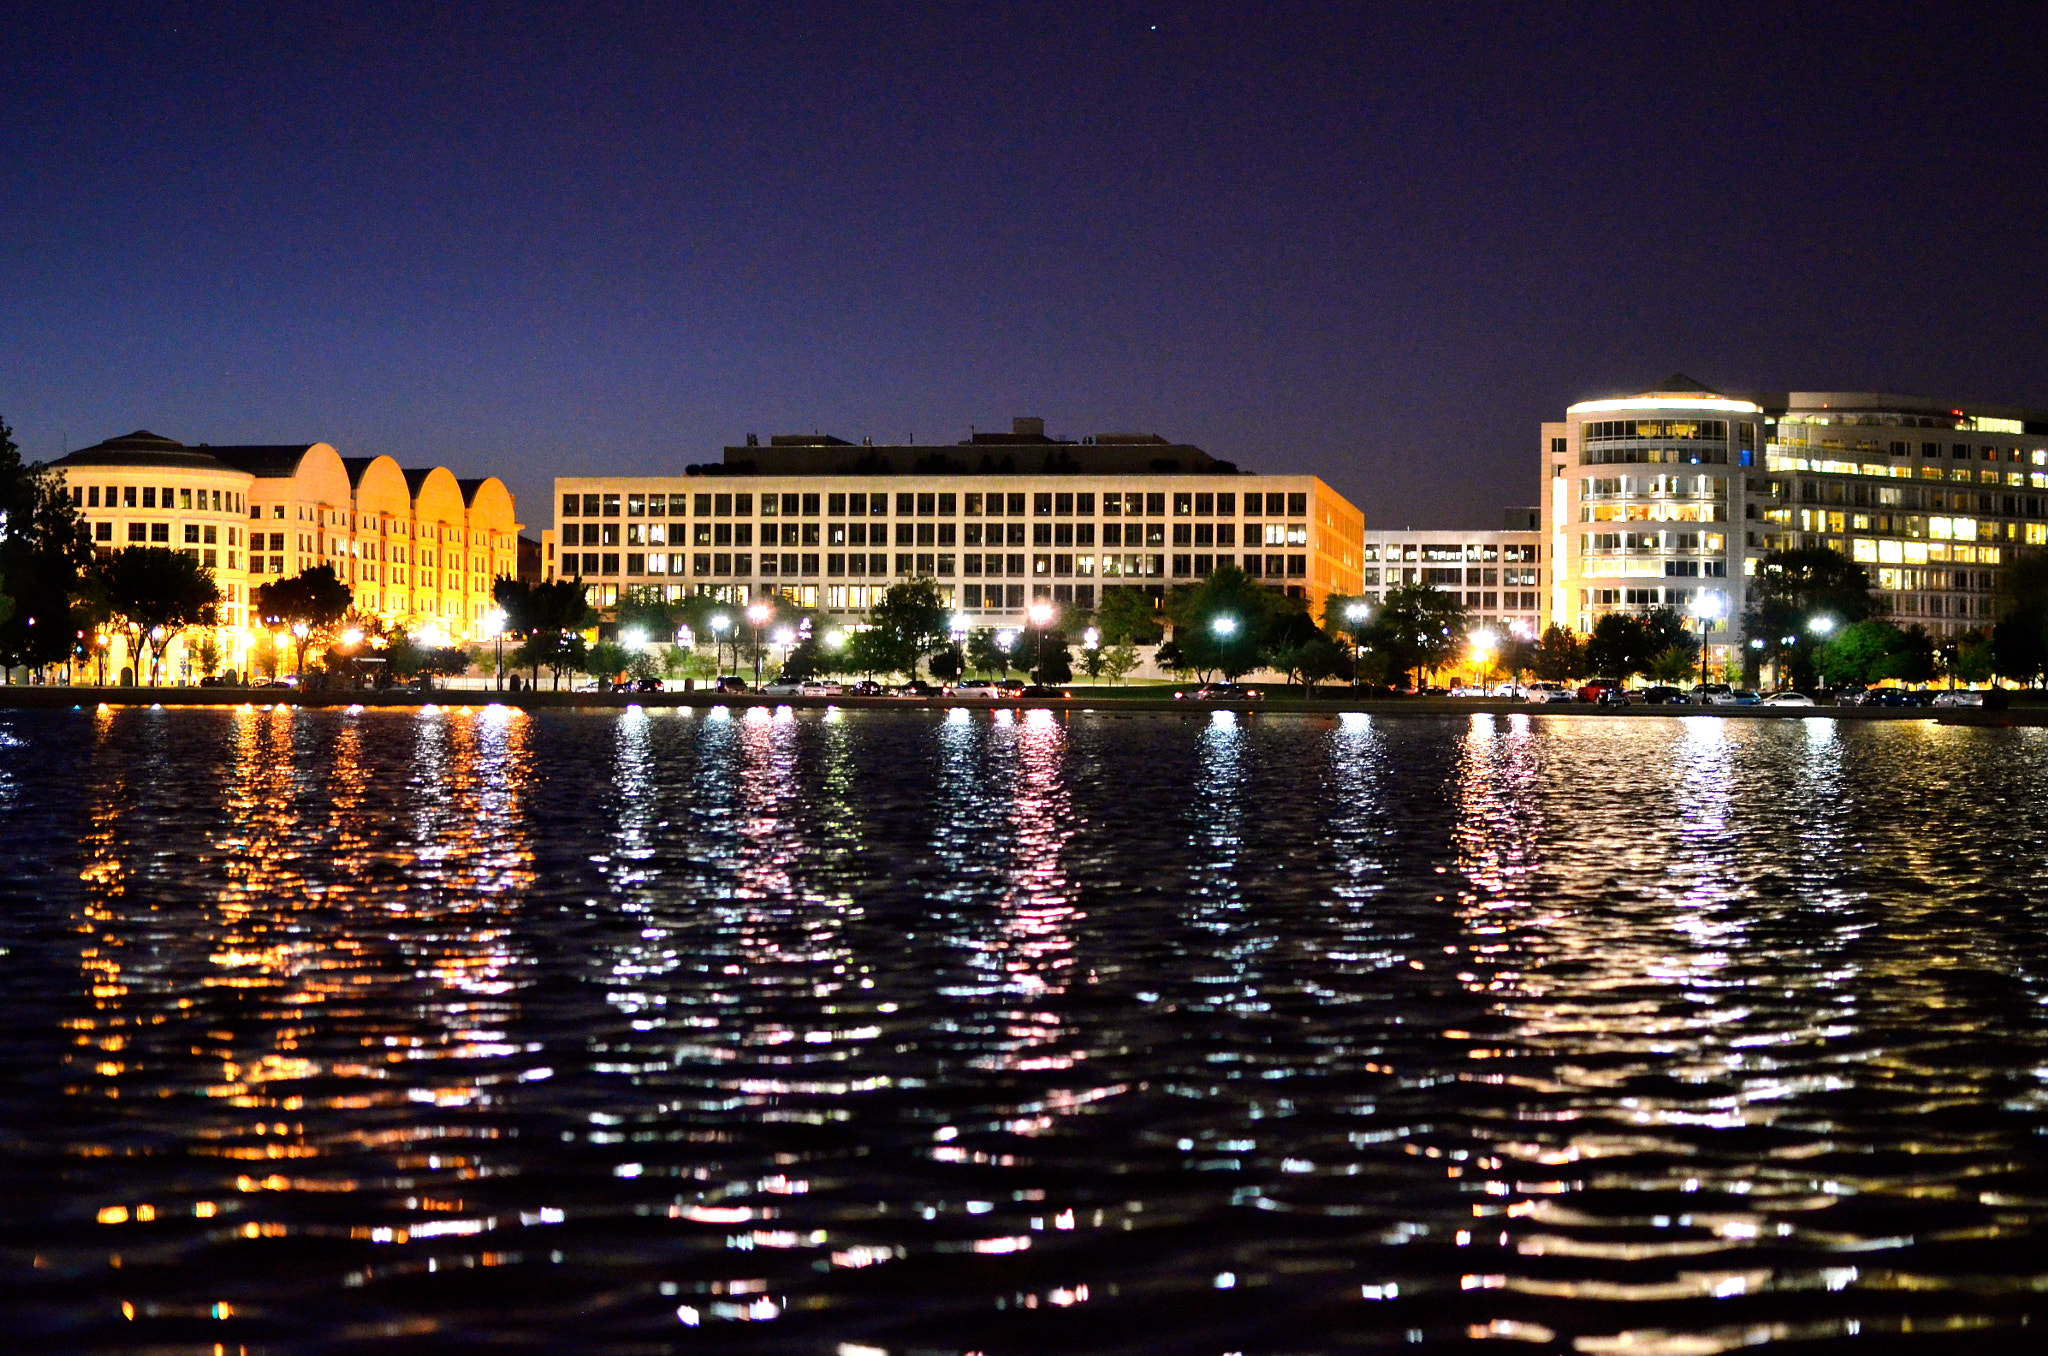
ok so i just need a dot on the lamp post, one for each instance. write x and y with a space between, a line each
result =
720 624
785 637
1709 607
1225 629
1484 642
1822 626
1004 641
496 619
758 614
1040 614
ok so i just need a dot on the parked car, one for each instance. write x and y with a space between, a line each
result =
818 687
1787 699
1596 689
866 687
975 687
648 685
1546 693
1665 696
916 687
1220 692
731 683
1041 690
1742 696
1711 694
1895 696
1959 696
1010 687
782 687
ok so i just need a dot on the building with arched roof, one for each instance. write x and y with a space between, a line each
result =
417 547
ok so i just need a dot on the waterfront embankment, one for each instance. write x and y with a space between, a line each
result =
1327 702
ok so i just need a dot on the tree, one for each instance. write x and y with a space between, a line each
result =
1672 665
1054 665
155 594
1311 659
1861 654
1560 655
1619 646
43 551
868 652
308 605
606 661
1118 661
1227 623
1416 628
985 654
1127 616
1973 658
948 664
208 653
913 621
2019 639
552 618
1790 591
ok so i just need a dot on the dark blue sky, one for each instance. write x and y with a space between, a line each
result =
1378 245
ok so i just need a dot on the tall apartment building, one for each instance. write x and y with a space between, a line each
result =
999 521
1497 575
1651 499
418 547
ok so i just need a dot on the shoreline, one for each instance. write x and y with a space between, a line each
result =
25 697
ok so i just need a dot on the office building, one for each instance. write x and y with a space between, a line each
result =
998 521
418 547
1498 576
1654 499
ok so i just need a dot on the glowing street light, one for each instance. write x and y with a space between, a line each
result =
1040 614
1091 639
758 614
633 639
1225 627
1357 613
1822 626
835 639
1709 607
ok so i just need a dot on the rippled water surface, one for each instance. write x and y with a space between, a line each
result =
945 1033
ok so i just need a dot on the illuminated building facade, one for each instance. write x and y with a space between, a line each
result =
1498 576
419 547
1654 500
997 522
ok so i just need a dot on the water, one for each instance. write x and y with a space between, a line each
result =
929 1032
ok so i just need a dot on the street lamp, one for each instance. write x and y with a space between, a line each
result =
758 614
1822 626
1225 627
785 637
1004 641
1484 642
720 624
1709 607
1040 614
495 619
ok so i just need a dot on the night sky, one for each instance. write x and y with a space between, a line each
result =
1377 245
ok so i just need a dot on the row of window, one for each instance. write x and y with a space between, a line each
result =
1083 535
1475 576
149 497
1448 551
1710 430
910 564
940 504
1926 451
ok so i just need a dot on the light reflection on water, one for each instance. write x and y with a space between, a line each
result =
1016 1032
